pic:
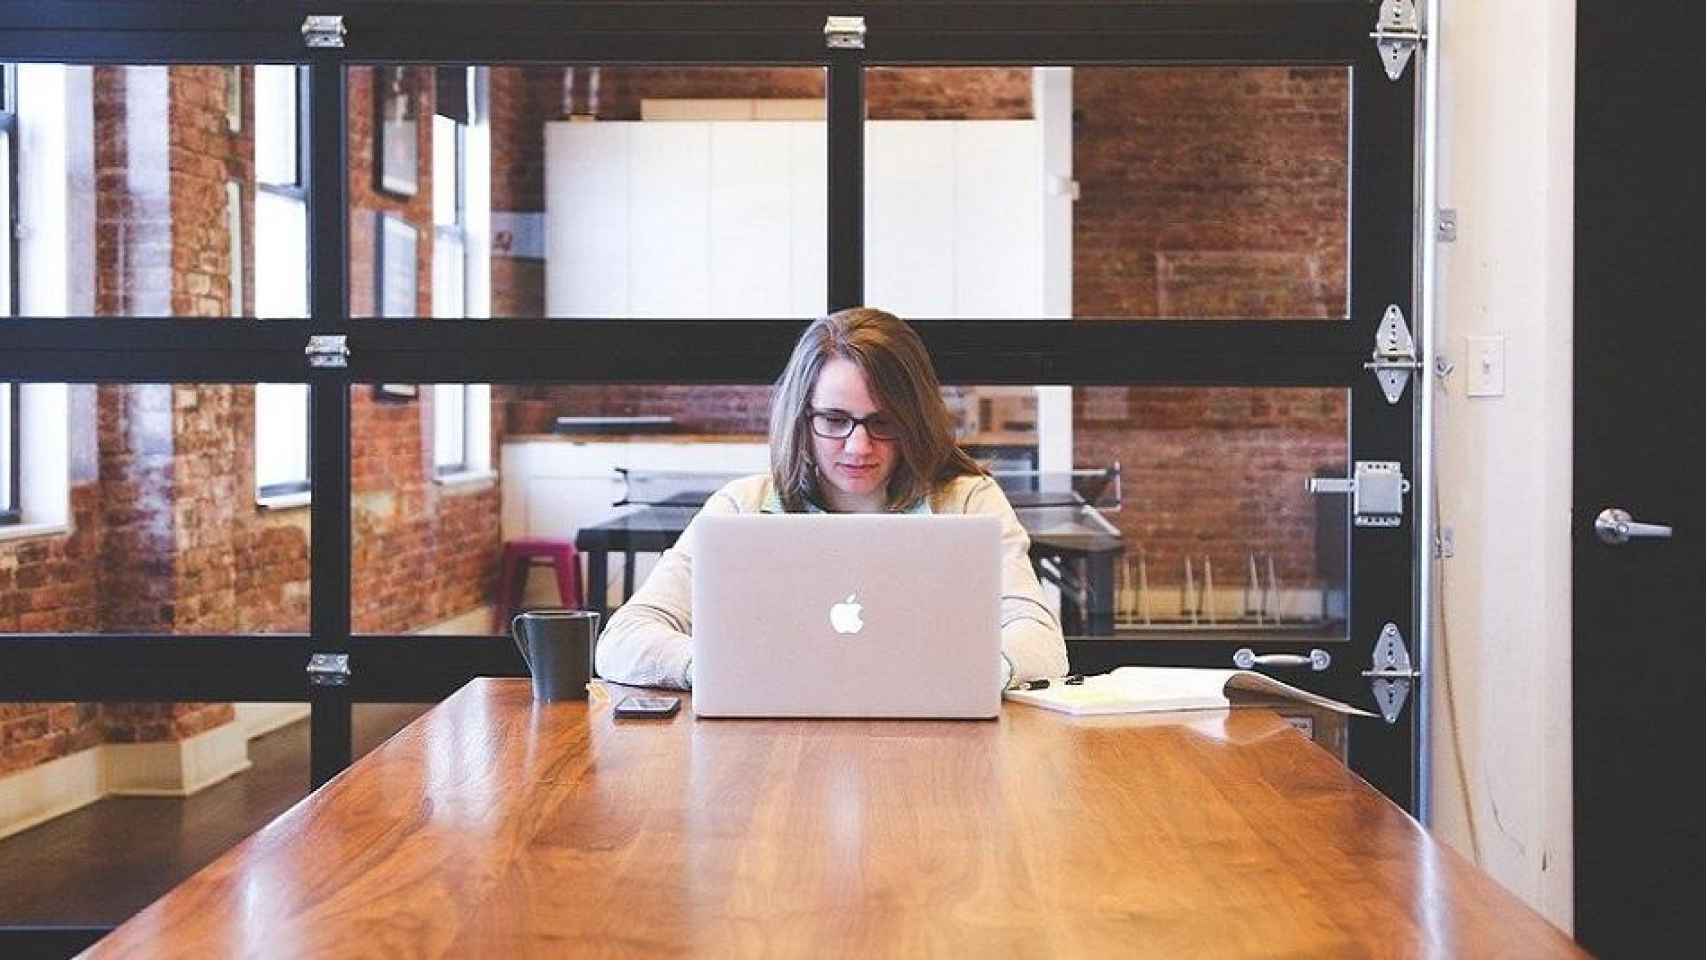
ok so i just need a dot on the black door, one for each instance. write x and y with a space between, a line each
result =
1639 669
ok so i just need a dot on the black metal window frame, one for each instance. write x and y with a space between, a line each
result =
1265 352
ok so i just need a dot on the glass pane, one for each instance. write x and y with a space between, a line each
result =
141 515
1114 192
276 157
6 244
281 255
6 493
595 191
101 817
123 174
1155 513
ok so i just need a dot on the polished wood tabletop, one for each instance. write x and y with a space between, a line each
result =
496 827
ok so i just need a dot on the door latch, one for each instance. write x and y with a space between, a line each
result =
1377 489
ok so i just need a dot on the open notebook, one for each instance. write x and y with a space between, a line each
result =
1147 689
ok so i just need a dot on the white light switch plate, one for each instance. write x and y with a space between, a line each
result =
1486 373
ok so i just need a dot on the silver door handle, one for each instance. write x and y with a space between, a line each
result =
1316 659
1615 527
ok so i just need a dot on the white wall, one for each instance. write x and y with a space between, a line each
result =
1507 167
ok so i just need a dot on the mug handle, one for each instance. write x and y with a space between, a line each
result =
516 637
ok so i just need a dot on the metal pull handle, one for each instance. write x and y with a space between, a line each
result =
1316 659
1616 527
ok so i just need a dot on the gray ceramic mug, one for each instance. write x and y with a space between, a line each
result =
558 646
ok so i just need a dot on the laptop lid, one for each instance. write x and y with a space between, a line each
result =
847 615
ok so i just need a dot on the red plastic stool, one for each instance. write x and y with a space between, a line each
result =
519 556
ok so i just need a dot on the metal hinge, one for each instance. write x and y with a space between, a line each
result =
1396 35
323 30
844 33
1377 489
327 350
328 670
1394 354
1392 672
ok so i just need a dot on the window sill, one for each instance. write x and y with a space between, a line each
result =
23 531
474 479
285 501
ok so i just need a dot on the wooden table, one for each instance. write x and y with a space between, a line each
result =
491 827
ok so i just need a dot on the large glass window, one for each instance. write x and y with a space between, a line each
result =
138 519
1115 192
125 179
1156 513
588 190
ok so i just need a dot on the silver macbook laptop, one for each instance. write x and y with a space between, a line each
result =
847 615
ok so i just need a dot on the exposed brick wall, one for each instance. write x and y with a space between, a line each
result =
1245 164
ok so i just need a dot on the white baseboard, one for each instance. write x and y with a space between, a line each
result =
37 795
167 769
176 768
259 719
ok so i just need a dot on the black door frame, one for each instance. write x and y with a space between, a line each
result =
1296 352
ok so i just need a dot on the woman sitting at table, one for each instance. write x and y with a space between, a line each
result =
857 425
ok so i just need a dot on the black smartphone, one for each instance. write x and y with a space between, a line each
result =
642 707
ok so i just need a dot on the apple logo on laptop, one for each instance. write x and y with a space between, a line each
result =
844 616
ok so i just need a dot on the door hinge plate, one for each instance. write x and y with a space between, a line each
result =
1392 672
1394 354
1396 35
328 669
327 350
323 30
1377 489
844 33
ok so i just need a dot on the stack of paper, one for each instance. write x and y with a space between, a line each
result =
1147 689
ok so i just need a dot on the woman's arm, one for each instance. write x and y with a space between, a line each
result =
1031 640
648 641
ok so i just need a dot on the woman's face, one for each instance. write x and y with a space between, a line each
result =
853 473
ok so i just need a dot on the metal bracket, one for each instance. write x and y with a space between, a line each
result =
1446 227
1394 354
1396 35
323 30
327 350
1377 489
328 670
844 33
1392 673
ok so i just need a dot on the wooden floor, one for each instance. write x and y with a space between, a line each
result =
110 859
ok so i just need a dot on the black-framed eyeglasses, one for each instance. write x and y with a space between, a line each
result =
839 425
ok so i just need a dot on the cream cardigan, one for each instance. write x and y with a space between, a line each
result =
648 641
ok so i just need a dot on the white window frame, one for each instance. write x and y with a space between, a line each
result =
282 446
462 429
52 157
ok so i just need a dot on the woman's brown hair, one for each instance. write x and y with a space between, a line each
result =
903 383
